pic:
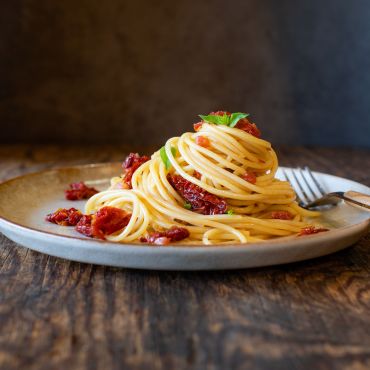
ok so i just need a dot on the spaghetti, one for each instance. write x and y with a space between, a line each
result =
218 183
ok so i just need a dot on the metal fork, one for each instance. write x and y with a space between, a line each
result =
310 194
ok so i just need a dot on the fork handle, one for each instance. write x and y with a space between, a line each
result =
359 199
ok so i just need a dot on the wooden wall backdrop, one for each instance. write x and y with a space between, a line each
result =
139 71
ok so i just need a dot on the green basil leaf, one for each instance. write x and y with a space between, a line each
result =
163 154
187 205
217 120
165 158
226 120
235 117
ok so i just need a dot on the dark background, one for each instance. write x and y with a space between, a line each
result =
136 72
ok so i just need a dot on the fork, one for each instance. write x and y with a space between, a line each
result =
310 194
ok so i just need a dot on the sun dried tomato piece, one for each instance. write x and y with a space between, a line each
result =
197 126
250 177
309 230
108 220
202 141
134 160
74 217
65 217
281 215
130 165
84 225
249 127
220 113
174 234
201 200
78 191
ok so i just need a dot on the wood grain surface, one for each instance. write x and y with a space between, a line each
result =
57 314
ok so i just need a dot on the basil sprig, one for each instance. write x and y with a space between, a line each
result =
165 158
225 120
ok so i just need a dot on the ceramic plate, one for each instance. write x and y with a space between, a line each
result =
25 200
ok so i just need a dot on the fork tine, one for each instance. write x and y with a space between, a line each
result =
304 177
301 201
301 188
321 190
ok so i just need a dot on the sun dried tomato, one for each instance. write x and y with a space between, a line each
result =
130 165
197 126
174 234
201 200
245 125
84 225
65 217
220 113
202 141
281 215
250 177
108 220
311 230
78 191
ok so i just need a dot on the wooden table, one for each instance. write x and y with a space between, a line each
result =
57 314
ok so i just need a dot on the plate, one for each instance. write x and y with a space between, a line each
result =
25 200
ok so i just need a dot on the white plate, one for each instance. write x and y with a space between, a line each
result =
24 202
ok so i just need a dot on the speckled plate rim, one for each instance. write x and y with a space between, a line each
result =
180 257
